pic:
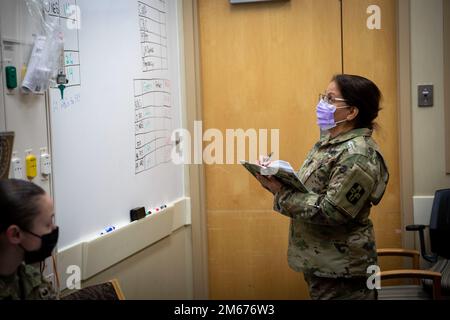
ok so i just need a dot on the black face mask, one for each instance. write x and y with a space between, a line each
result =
48 243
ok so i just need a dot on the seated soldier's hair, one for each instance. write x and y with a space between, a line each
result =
18 203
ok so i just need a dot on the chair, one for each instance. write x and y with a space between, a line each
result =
109 290
439 231
409 292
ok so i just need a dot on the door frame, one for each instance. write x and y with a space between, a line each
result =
194 174
405 143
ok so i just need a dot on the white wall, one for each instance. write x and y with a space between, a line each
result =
427 64
25 114
161 271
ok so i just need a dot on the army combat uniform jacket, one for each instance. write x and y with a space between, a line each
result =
26 284
331 234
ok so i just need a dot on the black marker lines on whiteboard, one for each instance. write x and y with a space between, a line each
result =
158 5
153 122
153 29
152 95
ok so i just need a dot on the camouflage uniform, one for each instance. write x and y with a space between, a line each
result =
331 235
26 284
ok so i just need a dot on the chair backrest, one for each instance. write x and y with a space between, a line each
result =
440 224
6 147
104 291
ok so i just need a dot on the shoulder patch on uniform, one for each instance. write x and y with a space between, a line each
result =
357 145
351 147
355 193
352 190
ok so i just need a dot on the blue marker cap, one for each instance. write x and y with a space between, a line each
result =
109 229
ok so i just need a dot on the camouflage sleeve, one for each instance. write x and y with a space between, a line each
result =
348 190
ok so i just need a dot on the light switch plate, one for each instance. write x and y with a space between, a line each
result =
426 95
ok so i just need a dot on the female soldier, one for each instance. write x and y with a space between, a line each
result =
27 235
331 236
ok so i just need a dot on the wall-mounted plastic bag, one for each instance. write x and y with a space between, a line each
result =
48 48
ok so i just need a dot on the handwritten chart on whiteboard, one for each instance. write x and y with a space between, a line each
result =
153 123
152 95
111 133
153 30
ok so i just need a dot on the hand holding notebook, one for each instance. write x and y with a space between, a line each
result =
280 169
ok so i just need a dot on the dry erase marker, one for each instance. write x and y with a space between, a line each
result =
157 209
108 230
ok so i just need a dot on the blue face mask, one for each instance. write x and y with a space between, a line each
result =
325 115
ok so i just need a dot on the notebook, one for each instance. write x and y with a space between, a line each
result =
282 170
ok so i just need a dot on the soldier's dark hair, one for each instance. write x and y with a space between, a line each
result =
19 203
361 93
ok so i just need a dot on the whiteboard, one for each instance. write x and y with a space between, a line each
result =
111 133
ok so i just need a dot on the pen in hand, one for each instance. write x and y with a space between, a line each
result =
266 160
